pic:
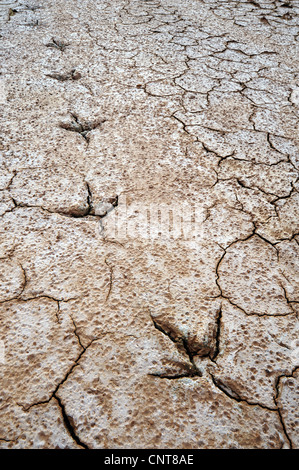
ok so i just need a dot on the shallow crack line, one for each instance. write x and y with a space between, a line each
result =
254 233
239 159
44 296
235 396
288 196
110 280
3 439
276 397
24 281
208 213
183 125
8 211
58 311
284 427
67 420
23 287
267 241
10 181
289 302
217 271
76 333
274 196
176 376
53 394
293 237
69 425
253 313
28 299
268 134
85 215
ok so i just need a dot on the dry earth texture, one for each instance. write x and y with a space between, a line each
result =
149 224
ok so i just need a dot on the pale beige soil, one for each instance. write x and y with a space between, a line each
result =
149 224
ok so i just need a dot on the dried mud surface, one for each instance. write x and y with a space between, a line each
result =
138 110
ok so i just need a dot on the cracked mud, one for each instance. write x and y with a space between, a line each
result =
118 119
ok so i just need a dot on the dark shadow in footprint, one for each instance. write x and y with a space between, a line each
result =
81 126
62 77
57 44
